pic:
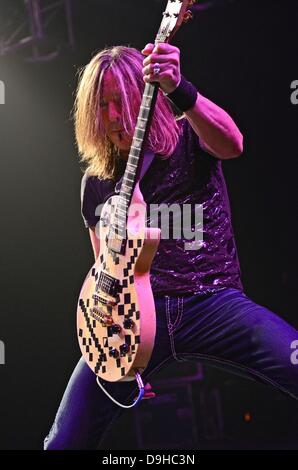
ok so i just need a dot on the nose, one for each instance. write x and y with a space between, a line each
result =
113 112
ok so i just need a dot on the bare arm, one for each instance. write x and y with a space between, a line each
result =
94 242
216 129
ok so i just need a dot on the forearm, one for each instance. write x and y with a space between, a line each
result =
216 128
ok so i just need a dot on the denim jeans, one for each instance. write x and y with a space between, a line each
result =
225 328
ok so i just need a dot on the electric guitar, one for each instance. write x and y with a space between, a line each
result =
116 319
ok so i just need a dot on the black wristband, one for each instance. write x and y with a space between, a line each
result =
185 95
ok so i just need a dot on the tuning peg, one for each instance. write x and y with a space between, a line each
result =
187 16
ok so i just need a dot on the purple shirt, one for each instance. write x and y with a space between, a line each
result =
190 176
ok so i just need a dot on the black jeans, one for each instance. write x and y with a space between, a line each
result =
224 328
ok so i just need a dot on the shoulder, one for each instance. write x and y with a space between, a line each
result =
93 193
187 134
88 182
188 140
94 187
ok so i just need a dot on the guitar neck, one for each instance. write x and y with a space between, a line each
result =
174 15
136 154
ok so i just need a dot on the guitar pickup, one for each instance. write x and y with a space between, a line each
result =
107 284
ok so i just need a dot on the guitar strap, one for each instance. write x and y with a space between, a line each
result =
147 160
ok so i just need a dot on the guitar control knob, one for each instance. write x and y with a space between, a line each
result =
187 16
114 353
128 324
108 321
124 348
115 328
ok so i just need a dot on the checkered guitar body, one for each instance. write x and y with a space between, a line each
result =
116 321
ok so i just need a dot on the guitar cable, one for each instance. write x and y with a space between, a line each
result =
138 399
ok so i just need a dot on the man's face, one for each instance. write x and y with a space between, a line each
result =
111 114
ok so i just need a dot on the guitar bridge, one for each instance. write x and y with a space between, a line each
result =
100 316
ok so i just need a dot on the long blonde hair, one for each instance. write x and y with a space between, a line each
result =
96 150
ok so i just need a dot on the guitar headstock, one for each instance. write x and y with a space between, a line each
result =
176 13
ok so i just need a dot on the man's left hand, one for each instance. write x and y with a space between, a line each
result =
164 58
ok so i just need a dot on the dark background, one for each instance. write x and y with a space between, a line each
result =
243 56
